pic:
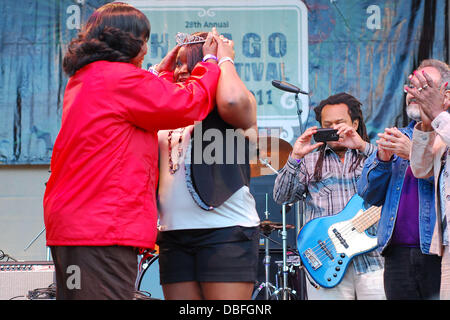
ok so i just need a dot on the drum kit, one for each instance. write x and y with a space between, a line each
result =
288 277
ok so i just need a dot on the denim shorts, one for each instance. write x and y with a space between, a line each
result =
209 255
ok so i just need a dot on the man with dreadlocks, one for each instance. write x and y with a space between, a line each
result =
328 178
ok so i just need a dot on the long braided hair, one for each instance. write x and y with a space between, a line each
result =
355 112
114 32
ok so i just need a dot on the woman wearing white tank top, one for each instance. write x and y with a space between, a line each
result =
207 252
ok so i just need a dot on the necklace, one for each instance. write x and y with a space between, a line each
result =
174 167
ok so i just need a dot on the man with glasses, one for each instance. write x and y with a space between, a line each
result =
407 220
430 154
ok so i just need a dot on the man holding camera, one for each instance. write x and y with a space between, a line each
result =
328 178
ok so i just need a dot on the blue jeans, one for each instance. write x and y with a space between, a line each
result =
411 275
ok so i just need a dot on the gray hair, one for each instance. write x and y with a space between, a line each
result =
440 66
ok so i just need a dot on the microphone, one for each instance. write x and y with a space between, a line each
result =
287 87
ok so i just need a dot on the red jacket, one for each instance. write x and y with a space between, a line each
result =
104 166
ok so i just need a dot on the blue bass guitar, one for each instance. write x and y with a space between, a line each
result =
328 244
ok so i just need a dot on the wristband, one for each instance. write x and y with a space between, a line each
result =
209 56
222 60
152 69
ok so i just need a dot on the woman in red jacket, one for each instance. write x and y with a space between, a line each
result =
99 203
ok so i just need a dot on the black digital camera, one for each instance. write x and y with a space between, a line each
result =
326 134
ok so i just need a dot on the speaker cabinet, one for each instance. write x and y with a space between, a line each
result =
19 279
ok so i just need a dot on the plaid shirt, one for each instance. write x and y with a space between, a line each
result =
327 196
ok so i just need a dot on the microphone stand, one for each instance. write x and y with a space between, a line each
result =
299 113
284 241
284 287
288 87
267 257
300 203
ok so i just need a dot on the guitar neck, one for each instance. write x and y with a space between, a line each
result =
367 219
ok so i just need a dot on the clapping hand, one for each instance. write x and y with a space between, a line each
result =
430 97
391 142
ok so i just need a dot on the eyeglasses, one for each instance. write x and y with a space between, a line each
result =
409 85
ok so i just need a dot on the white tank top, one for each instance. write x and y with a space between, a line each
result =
177 208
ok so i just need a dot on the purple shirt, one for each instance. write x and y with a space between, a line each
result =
406 229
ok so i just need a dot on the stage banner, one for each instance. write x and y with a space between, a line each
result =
34 36
364 47
270 40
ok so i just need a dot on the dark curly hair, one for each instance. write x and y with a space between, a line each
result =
355 112
114 32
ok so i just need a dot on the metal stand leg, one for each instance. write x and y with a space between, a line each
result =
302 276
284 241
35 238
269 288
49 254
267 257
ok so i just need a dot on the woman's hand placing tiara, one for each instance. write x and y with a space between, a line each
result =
210 45
225 46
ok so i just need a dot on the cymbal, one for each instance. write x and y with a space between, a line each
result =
276 158
269 226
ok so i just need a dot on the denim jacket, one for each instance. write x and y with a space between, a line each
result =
381 184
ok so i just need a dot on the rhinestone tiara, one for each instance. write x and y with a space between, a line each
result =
184 38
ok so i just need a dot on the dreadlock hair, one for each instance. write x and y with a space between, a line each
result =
114 32
355 112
